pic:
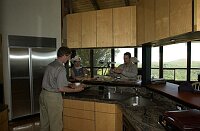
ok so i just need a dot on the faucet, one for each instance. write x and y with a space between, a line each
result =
115 89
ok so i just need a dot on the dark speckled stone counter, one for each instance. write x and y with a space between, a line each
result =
142 116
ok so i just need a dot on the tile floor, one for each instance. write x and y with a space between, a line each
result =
25 124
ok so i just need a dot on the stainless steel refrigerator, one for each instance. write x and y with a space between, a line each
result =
27 66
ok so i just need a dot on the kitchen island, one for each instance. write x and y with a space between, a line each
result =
141 111
140 105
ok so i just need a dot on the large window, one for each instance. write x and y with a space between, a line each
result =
85 57
175 62
195 60
101 59
155 62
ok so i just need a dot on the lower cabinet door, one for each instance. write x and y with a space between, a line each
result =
78 124
105 121
108 122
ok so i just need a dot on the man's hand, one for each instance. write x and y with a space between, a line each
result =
78 89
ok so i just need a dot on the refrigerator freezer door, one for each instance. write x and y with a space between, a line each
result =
20 82
41 57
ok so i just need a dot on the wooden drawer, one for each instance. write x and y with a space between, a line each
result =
76 104
79 113
108 108
77 124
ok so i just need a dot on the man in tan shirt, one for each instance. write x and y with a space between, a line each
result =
53 84
128 70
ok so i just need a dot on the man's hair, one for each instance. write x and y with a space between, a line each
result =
128 54
63 51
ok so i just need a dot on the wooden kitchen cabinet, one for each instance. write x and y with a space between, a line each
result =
161 19
180 17
104 28
74 29
149 20
91 116
145 21
4 120
124 26
89 29
140 23
197 16
78 115
108 117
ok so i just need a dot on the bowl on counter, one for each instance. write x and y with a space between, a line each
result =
77 83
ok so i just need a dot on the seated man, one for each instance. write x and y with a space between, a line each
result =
128 70
77 71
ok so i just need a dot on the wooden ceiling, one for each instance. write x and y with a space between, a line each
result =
76 6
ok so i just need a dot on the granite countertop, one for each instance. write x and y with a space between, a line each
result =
118 82
143 116
3 107
190 99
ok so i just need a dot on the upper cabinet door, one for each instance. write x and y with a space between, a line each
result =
180 17
122 30
133 25
104 28
161 19
74 30
197 16
149 20
140 22
145 21
89 29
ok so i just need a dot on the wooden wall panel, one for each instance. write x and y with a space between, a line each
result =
74 30
180 17
104 28
89 29
161 19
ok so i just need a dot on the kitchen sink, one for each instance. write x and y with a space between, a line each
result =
138 101
116 96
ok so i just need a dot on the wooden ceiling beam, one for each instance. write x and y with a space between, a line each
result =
95 4
127 2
